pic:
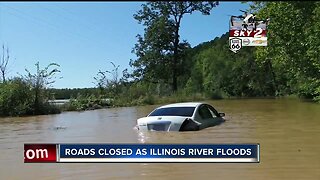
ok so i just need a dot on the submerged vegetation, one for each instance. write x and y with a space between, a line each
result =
168 69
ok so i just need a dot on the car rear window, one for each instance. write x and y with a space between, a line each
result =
174 111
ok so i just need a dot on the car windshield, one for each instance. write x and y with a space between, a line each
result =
174 111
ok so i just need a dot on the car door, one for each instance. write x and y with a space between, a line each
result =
208 116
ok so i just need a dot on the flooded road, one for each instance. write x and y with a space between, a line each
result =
288 132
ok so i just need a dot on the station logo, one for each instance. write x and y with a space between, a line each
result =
247 30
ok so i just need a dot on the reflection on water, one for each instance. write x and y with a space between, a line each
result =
287 130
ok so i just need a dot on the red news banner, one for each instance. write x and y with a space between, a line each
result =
40 153
248 33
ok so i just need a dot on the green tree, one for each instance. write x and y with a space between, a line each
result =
39 82
161 48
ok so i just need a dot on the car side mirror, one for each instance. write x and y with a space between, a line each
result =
222 114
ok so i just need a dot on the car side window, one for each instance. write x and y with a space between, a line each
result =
204 112
213 111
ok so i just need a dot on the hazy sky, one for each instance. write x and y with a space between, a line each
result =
84 37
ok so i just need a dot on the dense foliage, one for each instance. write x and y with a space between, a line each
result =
289 65
294 46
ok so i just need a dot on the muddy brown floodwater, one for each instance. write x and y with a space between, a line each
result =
288 132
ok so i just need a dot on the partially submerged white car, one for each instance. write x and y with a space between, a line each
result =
190 116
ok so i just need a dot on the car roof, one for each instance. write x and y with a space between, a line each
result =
185 104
